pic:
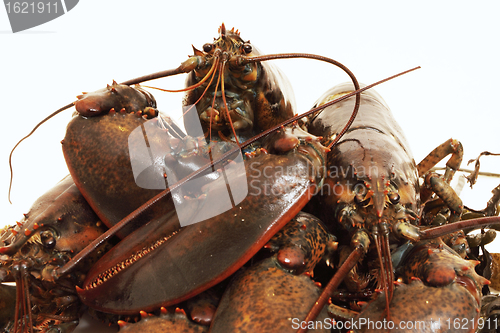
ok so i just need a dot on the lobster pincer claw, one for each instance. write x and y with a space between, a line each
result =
431 272
416 307
279 186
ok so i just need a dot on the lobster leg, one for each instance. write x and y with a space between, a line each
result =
438 184
450 146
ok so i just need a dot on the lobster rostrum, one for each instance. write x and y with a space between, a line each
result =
58 225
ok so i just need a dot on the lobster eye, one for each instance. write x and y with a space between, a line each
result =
394 198
360 194
247 48
360 199
48 240
208 47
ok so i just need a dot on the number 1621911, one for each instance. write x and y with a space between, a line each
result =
32 7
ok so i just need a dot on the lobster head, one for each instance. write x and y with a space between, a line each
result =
227 89
372 177
59 225
51 228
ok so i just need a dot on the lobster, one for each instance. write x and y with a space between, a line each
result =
128 266
59 224
372 194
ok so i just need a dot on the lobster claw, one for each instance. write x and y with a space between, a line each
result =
203 254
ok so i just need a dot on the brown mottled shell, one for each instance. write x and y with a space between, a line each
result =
426 306
495 271
170 322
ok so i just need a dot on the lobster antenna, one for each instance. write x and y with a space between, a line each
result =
321 107
117 227
157 75
170 72
27 136
225 103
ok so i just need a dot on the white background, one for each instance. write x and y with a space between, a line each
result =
453 95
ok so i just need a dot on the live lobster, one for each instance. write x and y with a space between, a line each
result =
372 195
243 73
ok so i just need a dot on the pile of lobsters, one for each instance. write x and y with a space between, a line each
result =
248 218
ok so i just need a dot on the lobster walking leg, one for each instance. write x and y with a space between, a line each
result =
450 146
